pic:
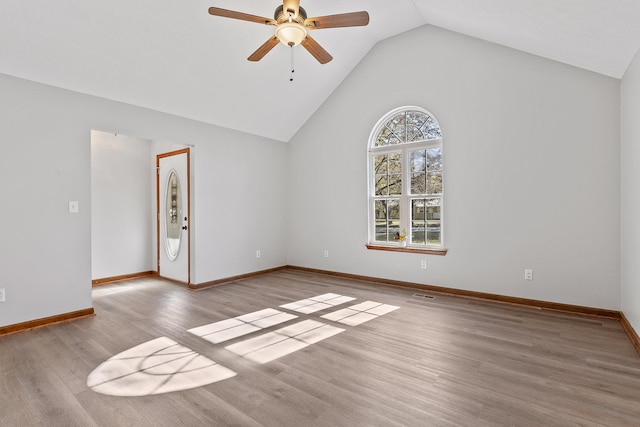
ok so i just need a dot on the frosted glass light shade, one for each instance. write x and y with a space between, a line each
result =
291 33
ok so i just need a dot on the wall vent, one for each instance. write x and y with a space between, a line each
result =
424 296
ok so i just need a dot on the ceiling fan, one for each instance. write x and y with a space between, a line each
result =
292 27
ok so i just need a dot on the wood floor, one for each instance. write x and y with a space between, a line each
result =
445 361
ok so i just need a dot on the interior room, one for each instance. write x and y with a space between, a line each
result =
526 290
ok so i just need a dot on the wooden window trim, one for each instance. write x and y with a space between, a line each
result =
412 250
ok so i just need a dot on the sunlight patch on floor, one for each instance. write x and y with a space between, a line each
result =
360 313
317 303
235 327
276 344
154 367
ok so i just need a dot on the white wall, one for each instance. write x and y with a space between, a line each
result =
45 258
122 205
630 193
531 152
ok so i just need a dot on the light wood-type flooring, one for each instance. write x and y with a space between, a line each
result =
446 361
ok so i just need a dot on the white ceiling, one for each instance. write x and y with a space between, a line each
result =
172 56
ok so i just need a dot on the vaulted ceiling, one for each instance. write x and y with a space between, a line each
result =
172 56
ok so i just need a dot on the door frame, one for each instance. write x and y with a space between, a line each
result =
186 151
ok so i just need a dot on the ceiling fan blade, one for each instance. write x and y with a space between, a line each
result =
216 11
264 49
316 50
353 19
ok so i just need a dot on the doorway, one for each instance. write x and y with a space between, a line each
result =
124 204
173 194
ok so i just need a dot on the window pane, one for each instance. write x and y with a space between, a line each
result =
434 159
394 163
387 219
415 121
425 221
418 161
396 125
381 231
433 222
418 211
418 232
430 129
418 183
380 165
433 231
393 219
408 126
418 221
434 181
395 185
382 185
383 137
395 140
433 210
387 175
394 210
381 210
418 165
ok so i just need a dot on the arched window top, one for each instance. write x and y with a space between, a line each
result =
405 125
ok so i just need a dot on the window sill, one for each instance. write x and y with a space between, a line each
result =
412 250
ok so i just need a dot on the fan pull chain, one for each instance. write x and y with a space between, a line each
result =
292 67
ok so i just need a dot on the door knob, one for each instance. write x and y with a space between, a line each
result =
184 227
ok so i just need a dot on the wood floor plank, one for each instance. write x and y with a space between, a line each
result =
442 361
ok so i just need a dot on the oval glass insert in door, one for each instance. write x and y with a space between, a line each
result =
173 216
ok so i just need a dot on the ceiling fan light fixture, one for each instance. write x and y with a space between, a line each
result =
291 33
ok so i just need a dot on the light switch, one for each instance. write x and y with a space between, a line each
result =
73 207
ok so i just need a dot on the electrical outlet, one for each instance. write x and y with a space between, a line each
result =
423 264
2 295
258 253
528 275
326 253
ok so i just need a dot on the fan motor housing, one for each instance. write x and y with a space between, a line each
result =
281 16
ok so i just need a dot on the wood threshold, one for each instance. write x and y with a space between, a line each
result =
207 285
105 280
440 252
46 321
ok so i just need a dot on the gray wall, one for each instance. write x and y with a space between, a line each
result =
531 152
630 181
45 258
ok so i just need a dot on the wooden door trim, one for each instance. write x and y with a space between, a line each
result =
186 151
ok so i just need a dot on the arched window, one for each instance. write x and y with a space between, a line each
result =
405 180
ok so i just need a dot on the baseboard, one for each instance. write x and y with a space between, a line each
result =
633 335
105 280
46 321
542 305
207 285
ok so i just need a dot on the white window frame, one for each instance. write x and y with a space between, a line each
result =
405 198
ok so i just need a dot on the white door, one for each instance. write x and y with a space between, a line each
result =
173 190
